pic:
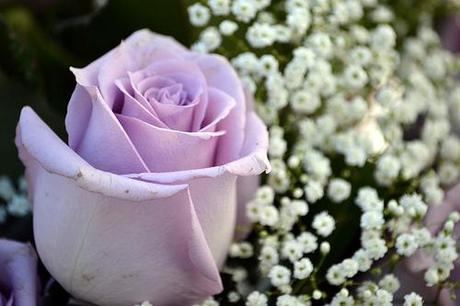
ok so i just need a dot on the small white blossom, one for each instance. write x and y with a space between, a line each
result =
146 303
384 37
287 300
233 297
335 275
260 35
228 27
355 77
279 276
6 188
375 248
324 224
269 215
18 206
314 191
338 190
211 38
406 244
363 260
256 298
308 242
368 199
243 10
413 299
199 14
303 268
372 220
413 205
305 102
219 7
292 249
389 283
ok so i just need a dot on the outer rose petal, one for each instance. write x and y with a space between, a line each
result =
18 274
169 150
109 239
220 75
210 186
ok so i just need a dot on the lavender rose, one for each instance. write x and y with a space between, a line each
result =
142 202
18 274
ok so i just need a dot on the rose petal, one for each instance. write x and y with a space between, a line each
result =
136 52
204 182
135 108
219 107
171 150
18 273
78 115
36 142
82 214
253 162
103 72
105 145
187 118
220 74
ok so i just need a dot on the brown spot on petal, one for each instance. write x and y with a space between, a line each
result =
87 277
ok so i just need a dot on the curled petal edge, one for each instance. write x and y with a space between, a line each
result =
36 140
253 162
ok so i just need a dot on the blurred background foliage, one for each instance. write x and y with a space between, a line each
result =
41 39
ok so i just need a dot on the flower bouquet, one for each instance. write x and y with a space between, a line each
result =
300 152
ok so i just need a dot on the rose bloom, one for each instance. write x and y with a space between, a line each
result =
18 274
142 203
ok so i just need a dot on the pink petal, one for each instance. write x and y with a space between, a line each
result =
136 52
213 189
105 145
219 107
171 150
133 107
109 239
18 273
185 117
253 162
221 75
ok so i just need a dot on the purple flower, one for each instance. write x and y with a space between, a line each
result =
18 274
450 33
142 202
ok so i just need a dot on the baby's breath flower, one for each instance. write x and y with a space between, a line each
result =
243 10
199 14
324 224
413 299
303 268
308 242
389 283
256 298
228 27
279 276
338 190
219 7
260 35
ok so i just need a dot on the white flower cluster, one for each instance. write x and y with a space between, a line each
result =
15 201
362 144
